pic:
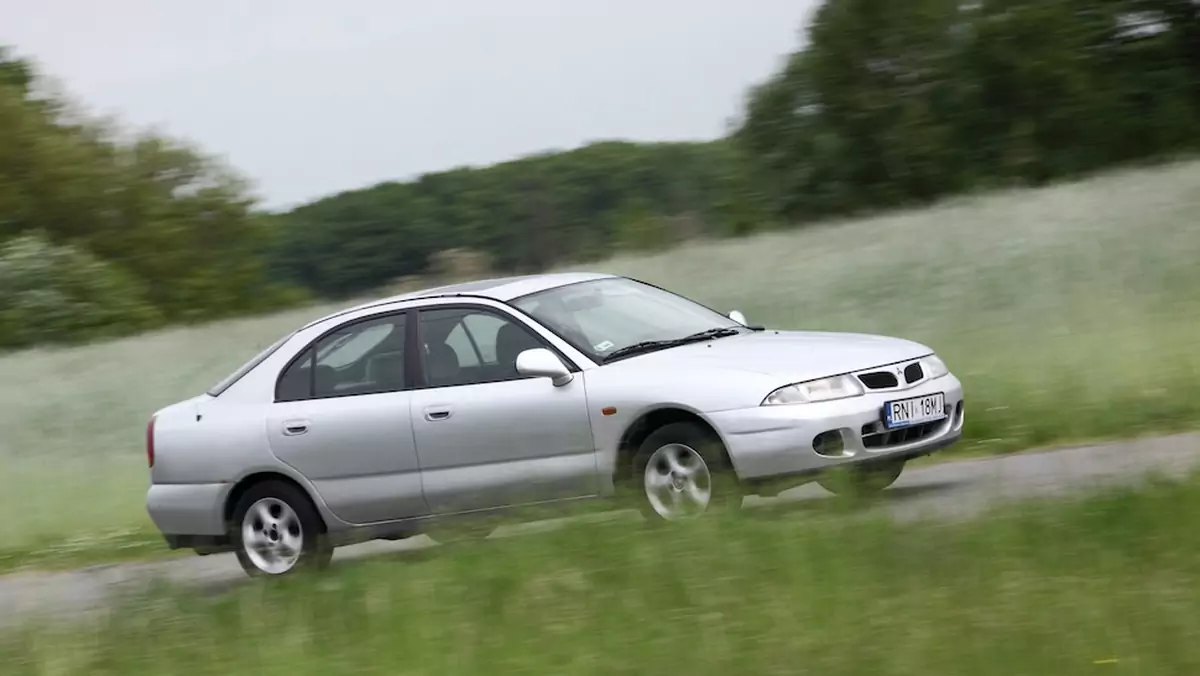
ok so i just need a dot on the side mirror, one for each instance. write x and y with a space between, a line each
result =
543 363
738 317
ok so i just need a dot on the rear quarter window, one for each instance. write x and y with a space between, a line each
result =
228 381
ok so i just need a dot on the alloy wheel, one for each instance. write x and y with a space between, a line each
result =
677 482
272 536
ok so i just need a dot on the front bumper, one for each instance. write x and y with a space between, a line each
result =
770 441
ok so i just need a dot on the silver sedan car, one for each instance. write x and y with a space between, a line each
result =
459 404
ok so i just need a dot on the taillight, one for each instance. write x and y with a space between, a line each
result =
150 443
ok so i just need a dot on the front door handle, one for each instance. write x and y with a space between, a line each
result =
437 413
294 428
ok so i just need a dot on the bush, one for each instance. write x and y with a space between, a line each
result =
58 293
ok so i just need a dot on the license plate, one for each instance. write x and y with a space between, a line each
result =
914 411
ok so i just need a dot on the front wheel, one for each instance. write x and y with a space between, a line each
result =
681 471
862 480
276 530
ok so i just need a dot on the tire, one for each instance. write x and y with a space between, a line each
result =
665 490
862 480
281 520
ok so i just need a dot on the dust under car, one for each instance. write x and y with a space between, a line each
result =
456 404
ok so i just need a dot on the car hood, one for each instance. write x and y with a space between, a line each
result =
791 356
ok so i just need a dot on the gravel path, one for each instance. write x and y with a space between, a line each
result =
948 490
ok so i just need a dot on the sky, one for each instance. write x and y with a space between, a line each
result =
311 97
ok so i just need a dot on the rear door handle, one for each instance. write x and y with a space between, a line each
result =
294 428
434 414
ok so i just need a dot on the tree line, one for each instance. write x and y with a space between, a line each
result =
524 215
904 102
886 104
104 234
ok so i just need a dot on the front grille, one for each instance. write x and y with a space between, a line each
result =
913 372
890 378
879 380
876 436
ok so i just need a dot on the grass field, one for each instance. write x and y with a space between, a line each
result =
1069 313
1105 585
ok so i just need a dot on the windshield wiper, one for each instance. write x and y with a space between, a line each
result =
720 332
638 348
652 345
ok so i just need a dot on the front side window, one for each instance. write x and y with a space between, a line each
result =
605 315
362 358
466 346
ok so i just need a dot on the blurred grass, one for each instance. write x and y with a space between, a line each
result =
69 510
1070 313
72 453
1108 584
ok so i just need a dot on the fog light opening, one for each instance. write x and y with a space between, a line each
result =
830 443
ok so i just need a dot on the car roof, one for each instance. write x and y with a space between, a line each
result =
502 289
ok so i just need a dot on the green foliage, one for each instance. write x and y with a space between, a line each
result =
15 72
888 104
527 214
49 292
145 230
893 103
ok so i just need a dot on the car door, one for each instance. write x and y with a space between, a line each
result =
341 418
487 437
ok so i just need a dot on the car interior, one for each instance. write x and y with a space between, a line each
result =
365 359
461 347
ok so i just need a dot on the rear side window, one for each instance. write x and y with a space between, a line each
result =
365 357
345 348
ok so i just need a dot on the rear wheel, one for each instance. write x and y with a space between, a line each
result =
682 471
276 530
862 480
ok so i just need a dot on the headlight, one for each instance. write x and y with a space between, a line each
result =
934 367
825 389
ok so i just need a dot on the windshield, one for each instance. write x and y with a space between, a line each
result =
606 315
